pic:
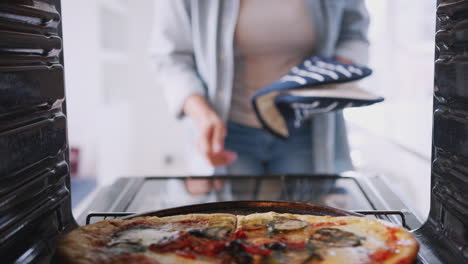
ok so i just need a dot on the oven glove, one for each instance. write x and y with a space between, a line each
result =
318 85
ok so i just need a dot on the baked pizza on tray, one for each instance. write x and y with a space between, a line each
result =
261 238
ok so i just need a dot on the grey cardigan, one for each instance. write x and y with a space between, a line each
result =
193 53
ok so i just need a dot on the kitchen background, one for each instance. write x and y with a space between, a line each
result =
119 125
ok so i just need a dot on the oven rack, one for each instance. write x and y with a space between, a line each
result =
376 213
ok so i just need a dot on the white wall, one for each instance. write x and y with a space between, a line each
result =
81 45
402 55
117 116
394 138
158 140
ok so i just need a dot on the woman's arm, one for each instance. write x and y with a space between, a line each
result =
353 44
172 54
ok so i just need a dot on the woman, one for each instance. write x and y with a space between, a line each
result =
212 55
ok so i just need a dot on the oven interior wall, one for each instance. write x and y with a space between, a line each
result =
449 208
35 203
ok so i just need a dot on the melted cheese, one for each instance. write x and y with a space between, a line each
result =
145 237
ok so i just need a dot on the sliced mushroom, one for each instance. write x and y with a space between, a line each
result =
219 232
334 237
216 233
254 224
283 224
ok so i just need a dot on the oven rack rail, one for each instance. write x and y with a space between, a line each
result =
376 213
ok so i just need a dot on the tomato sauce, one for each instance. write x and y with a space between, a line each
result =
239 234
255 250
203 246
206 246
392 237
382 255
296 245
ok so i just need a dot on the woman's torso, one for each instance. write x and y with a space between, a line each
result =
271 37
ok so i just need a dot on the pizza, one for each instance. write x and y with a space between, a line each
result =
262 238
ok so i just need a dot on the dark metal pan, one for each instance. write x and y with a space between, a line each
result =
249 207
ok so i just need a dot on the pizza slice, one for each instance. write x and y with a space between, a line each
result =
196 238
274 238
287 238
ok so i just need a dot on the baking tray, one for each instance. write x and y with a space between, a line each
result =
249 207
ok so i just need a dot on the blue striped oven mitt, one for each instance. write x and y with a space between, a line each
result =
318 85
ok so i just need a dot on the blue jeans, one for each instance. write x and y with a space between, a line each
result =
261 153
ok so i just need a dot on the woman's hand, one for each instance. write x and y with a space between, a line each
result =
212 131
202 186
